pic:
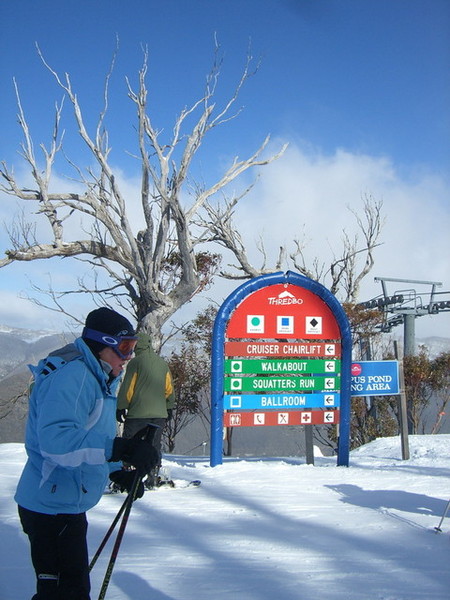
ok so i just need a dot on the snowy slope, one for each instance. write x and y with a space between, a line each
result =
269 529
27 335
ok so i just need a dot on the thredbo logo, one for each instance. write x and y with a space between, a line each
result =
285 298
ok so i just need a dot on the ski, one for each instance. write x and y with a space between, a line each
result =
192 483
165 484
179 486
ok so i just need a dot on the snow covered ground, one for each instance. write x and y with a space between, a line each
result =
268 529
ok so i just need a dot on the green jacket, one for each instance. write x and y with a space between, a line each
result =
147 388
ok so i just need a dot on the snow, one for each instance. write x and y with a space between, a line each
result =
29 336
265 529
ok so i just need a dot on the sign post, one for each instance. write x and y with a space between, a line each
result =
281 355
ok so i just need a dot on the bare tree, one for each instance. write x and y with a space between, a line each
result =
441 386
343 275
344 272
154 271
8 405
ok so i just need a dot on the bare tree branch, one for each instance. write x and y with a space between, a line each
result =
344 272
156 268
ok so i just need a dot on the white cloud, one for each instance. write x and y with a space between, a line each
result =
19 312
311 192
306 194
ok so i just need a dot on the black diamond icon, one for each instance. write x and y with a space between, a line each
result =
314 322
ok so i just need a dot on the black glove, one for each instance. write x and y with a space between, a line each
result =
169 413
136 451
125 479
121 415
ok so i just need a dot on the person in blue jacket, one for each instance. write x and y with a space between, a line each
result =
73 451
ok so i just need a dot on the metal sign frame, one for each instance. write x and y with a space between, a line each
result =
218 358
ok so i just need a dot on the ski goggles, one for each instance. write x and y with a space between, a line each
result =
123 345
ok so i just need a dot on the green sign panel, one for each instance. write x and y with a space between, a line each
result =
284 366
281 384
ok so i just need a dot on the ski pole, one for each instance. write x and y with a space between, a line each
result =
108 534
151 429
115 551
438 528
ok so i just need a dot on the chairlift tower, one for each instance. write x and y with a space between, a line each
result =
406 304
411 307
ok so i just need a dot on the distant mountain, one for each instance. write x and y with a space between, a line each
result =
26 335
436 345
21 347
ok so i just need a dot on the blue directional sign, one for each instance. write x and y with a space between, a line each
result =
375 378
280 401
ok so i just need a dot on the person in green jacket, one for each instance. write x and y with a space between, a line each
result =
146 395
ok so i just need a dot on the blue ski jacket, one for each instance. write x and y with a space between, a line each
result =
70 432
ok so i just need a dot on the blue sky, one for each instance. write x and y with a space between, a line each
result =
359 88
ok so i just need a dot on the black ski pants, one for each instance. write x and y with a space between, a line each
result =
59 554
